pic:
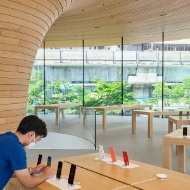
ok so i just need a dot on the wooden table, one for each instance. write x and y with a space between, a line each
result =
178 120
175 138
95 174
143 177
150 114
58 108
104 109
88 180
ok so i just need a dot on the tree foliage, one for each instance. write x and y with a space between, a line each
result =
56 91
175 93
103 94
108 94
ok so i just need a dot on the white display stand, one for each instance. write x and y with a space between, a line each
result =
118 162
62 183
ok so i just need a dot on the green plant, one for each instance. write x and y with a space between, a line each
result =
35 91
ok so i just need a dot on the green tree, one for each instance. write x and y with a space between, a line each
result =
158 90
53 92
177 93
186 85
74 93
35 91
108 94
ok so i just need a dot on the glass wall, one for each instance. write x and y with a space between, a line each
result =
176 74
154 73
58 73
143 69
102 76
36 88
106 75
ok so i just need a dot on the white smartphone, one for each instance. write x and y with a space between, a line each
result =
101 151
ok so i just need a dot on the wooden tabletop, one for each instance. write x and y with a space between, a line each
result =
120 107
176 137
61 105
179 119
95 174
159 112
88 180
137 177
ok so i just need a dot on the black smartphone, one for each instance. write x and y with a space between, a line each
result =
59 169
180 113
184 131
49 161
187 113
39 159
72 174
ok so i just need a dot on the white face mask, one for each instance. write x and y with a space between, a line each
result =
31 145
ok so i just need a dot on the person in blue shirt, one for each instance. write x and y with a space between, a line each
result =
13 161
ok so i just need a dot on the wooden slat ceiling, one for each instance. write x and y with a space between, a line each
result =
104 22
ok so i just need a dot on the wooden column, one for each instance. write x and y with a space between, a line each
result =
23 27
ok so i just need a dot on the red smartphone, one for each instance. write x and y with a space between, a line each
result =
125 158
112 153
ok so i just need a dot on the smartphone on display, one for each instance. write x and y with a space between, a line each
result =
125 158
112 153
49 161
72 174
101 151
59 169
184 131
187 113
39 159
180 113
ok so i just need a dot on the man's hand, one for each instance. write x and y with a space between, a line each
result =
49 172
31 181
39 169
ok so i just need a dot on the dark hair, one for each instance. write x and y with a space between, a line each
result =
32 123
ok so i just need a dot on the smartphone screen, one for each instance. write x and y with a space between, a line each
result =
72 174
112 153
187 113
125 158
49 161
184 131
39 159
180 113
59 169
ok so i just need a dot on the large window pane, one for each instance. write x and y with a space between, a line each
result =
103 76
177 74
62 81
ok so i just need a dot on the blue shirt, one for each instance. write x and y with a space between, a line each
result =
12 157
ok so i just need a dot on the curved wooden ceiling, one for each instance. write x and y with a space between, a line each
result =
104 22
